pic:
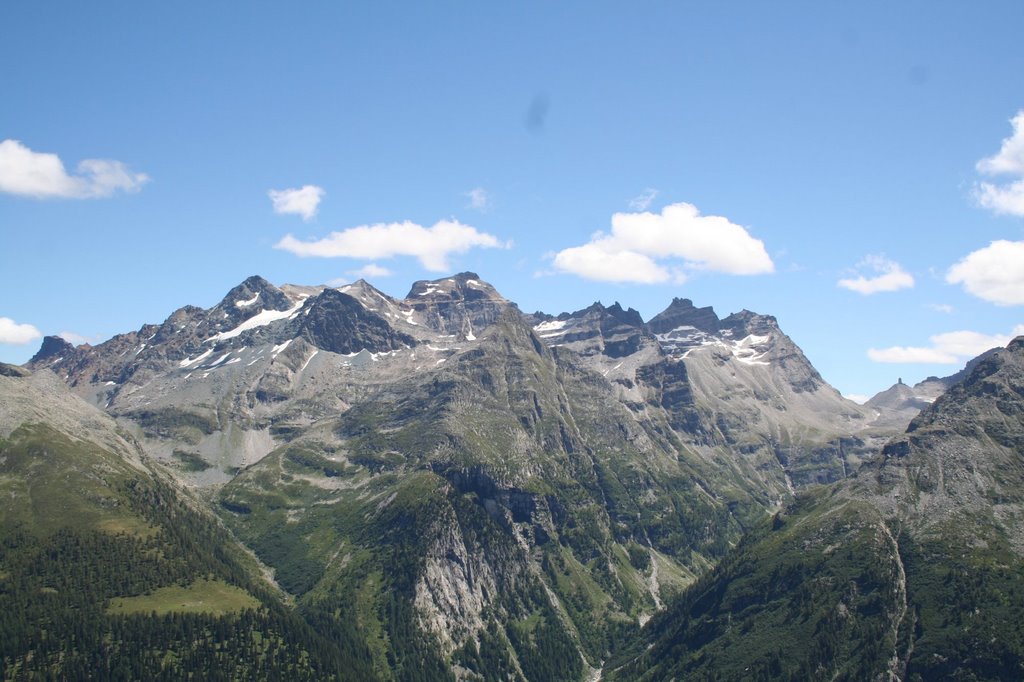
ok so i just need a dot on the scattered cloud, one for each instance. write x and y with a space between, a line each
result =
42 175
370 270
303 201
1005 198
994 273
889 276
648 248
945 349
1010 158
431 245
479 199
20 334
642 201
941 307
858 398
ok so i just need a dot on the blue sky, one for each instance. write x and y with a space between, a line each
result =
872 143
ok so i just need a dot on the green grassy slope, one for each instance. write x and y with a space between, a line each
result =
93 544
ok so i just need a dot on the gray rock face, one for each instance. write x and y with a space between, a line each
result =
337 322
611 332
738 384
456 305
682 313
962 454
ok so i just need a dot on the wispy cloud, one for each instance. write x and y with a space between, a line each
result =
431 245
941 307
1009 161
41 175
642 201
994 273
479 199
18 334
649 248
303 201
945 349
889 276
370 270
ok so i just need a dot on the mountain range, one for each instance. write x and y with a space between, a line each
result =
445 487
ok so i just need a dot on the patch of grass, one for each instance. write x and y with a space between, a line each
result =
191 461
203 596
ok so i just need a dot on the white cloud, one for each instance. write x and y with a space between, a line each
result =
303 201
643 201
1010 158
945 349
590 261
1004 199
890 277
994 273
370 270
479 199
12 332
42 175
679 235
941 308
1008 198
858 398
431 245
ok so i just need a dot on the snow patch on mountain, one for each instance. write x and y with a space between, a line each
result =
260 319
681 341
246 304
191 361
552 328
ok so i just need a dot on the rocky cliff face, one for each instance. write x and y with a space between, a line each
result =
728 387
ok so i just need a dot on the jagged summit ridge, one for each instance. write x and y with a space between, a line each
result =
724 383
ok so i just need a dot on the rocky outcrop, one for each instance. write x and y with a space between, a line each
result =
682 313
337 322
462 304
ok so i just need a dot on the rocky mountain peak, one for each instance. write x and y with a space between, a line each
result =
252 296
629 316
53 347
367 294
899 396
457 305
746 322
338 322
963 451
682 313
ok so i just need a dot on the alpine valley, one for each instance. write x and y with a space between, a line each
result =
306 482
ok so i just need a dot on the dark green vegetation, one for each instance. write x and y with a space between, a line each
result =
797 600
